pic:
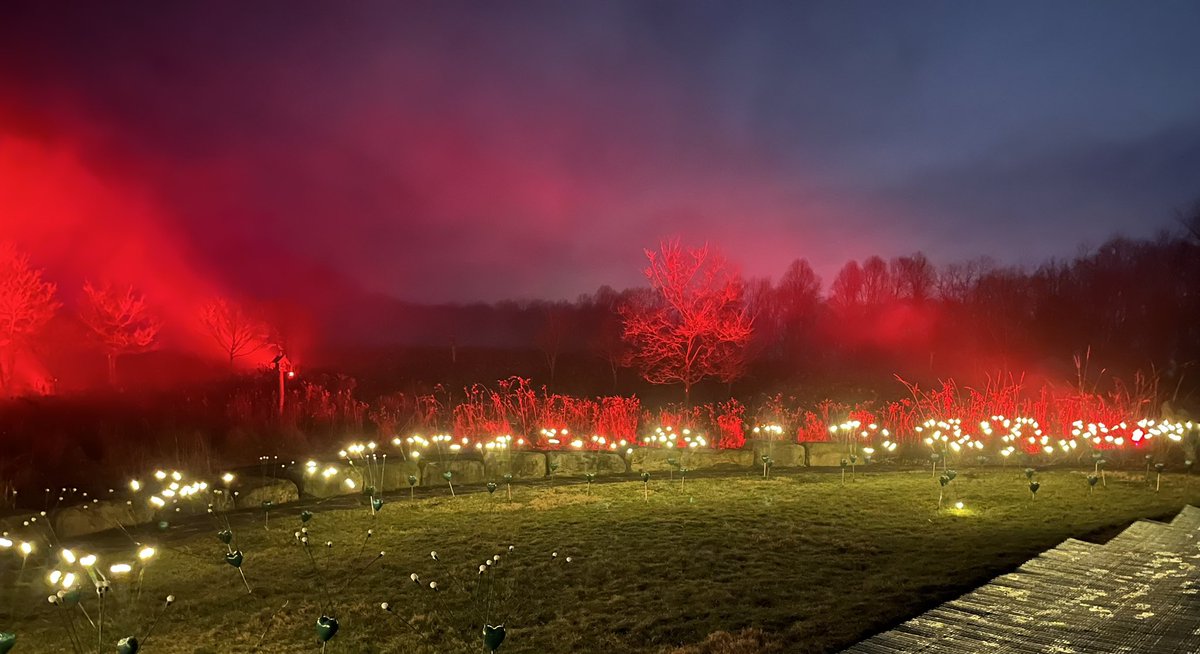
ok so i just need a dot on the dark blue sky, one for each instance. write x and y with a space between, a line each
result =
458 151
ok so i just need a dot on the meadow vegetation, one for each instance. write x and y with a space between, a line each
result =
796 562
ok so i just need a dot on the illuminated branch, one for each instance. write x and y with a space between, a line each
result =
26 304
695 324
237 333
120 320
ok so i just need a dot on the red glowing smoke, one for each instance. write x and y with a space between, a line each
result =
78 226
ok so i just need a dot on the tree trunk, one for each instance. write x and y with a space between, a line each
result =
112 369
8 361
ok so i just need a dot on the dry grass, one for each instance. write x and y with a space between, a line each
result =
795 563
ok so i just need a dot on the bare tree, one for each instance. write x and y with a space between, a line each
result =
120 320
800 285
26 304
797 300
608 340
556 328
879 284
763 307
847 288
235 331
695 325
955 281
1190 219
914 277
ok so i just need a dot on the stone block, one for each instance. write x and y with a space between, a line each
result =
102 515
825 454
465 471
394 475
653 459
721 459
784 453
521 465
577 464
257 490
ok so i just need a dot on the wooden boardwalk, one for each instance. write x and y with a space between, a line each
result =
1140 592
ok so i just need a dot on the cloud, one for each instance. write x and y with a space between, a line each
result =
464 151
80 226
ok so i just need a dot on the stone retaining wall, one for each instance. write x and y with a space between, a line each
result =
722 459
295 482
256 491
521 465
462 471
784 454
103 515
825 454
578 464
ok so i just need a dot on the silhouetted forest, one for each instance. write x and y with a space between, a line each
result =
1115 326
1127 305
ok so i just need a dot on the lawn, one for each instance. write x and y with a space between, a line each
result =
795 563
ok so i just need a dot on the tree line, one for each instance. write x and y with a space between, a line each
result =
1131 303
118 318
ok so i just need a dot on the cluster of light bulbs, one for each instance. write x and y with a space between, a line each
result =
668 438
769 430
172 486
72 566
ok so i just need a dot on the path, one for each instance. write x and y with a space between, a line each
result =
1140 592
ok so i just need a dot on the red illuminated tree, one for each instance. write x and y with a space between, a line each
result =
120 320
694 325
26 304
238 333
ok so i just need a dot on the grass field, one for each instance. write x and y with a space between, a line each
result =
795 563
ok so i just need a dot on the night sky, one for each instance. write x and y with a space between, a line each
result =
443 151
